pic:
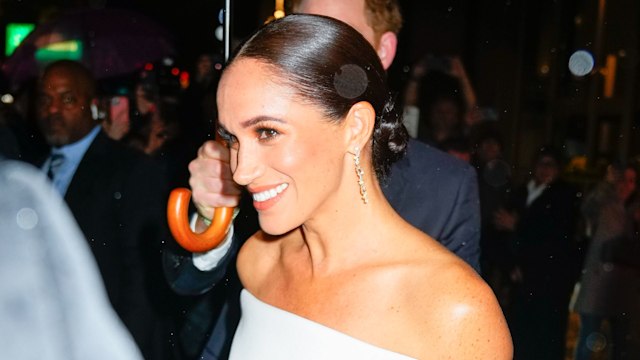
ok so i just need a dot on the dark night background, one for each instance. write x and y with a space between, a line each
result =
515 52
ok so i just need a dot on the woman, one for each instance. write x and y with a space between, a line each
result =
335 272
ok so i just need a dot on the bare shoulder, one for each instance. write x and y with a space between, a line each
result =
462 310
256 257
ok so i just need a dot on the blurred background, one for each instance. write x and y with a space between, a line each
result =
515 52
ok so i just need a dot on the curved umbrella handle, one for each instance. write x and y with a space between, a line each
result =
177 215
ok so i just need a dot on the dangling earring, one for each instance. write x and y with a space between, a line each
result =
360 173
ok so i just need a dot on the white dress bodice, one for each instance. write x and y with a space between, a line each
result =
266 332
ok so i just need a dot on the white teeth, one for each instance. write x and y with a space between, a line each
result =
269 194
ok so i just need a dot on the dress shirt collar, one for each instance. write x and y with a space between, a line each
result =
534 191
73 154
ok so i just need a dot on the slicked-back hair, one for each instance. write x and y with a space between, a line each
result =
331 66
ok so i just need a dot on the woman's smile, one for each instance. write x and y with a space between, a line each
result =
265 199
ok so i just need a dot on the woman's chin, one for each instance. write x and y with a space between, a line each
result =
271 228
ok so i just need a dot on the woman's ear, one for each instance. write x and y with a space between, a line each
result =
359 125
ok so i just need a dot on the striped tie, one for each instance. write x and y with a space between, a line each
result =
56 161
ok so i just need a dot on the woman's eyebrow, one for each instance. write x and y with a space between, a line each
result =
259 119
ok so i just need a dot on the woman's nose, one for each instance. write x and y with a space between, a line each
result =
247 167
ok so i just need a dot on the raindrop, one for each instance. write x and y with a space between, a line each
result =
596 342
117 195
581 63
497 173
450 9
27 218
351 81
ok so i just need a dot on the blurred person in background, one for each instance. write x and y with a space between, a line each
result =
155 120
494 186
609 289
200 96
440 102
117 196
540 219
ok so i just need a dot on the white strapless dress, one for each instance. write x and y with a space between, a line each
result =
266 332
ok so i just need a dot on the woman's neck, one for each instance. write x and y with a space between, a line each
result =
346 229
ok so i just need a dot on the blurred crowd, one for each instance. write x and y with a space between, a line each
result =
551 246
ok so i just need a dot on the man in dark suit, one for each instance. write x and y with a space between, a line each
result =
116 195
540 222
431 190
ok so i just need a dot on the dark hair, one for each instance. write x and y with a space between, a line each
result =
332 66
548 151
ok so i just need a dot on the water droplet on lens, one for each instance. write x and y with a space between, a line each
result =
596 342
351 81
27 218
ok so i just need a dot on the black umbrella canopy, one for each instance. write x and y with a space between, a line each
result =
110 42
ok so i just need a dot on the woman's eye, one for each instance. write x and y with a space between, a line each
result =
267 134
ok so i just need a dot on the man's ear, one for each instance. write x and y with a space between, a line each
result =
387 46
95 114
359 125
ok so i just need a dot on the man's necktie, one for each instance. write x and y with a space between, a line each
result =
56 161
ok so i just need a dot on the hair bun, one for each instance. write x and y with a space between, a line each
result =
390 138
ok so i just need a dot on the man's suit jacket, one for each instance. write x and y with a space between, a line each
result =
438 194
118 197
432 190
543 240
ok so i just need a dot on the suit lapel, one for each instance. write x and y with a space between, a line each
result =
92 172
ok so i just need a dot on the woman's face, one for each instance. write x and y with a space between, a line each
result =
287 154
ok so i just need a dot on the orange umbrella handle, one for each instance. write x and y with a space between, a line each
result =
177 215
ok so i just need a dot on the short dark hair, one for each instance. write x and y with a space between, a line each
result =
548 151
79 71
332 66
382 15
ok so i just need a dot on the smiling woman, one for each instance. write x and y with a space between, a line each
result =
306 112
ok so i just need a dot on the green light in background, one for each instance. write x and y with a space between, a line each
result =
64 50
15 33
